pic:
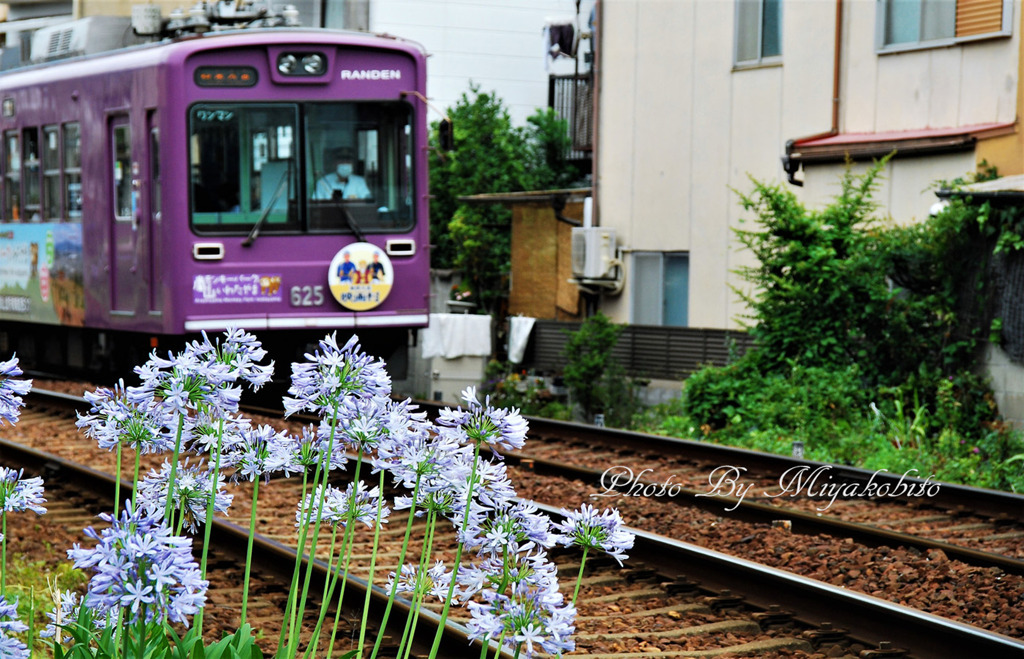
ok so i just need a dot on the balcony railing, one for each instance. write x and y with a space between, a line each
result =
572 97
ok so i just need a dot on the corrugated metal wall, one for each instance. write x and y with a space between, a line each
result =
664 353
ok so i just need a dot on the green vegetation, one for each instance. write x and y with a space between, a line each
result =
490 155
867 341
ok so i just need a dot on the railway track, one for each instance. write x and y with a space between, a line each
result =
673 598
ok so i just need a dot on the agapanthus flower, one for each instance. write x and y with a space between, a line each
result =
10 647
590 529
67 612
118 419
411 451
303 452
186 381
258 453
483 424
18 494
192 486
207 431
240 351
320 384
531 618
432 582
11 391
139 566
338 506
513 528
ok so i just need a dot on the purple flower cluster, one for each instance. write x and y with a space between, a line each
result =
67 612
18 494
11 391
338 505
115 419
11 647
141 568
529 614
193 485
484 424
589 529
334 375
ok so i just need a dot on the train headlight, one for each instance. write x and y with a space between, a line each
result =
287 64
302 64
314 64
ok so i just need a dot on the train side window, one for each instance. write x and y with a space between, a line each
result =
73 171
51 173
12 177
122 172
30 171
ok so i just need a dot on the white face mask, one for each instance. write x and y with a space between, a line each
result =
344 169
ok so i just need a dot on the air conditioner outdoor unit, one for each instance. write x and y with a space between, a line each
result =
593 252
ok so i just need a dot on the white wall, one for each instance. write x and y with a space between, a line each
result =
496 44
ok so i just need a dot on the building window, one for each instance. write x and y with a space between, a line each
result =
928 23
758 31
660 288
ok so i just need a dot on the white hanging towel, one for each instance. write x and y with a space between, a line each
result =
519 328
453 335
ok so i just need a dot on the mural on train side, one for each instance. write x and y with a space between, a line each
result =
41 273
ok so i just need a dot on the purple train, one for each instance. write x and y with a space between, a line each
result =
269 178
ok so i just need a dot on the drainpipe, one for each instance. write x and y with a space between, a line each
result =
791 165
595 72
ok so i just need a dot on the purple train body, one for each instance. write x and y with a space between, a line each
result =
192 184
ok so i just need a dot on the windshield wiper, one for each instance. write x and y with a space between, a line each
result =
351 222
251 238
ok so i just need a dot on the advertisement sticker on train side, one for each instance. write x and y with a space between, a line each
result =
236 288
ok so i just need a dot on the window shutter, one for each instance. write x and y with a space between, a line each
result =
975 17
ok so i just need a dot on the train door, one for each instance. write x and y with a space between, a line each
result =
129 251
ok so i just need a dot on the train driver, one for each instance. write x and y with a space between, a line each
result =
341 182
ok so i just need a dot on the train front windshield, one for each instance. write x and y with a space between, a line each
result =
342 167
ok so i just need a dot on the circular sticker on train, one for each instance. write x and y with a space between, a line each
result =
360 276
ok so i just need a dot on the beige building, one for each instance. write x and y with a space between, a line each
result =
697 96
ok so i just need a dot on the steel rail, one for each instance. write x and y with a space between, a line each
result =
865 617
752 511
992 503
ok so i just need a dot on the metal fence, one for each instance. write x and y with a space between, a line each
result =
664 353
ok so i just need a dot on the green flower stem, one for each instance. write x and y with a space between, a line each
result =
324 474
347 541
174 468
117 482
248 549
330 580
135 476
207 527
579 577
419 593
3 554
140 648
373 561
458 553
401 561
290 606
